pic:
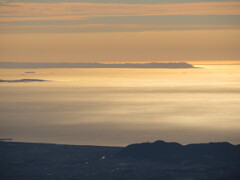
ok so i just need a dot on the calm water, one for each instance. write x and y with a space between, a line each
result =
122 106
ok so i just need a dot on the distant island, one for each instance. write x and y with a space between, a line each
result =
30 72
22 80
15 65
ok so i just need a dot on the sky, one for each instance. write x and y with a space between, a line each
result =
120 31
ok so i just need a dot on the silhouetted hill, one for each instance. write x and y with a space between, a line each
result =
172 152
36 161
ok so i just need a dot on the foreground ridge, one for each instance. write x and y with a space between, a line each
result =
36 161
175 152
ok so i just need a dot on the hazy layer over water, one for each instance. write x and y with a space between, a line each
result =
121 106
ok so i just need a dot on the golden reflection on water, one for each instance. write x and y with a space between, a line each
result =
122 106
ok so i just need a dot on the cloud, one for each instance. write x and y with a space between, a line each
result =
117 1
116 17
43 18
83 15
73 9
66 24
110 28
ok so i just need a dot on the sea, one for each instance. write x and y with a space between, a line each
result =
117 107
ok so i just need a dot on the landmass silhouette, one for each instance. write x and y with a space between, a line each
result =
14 65
23 80
175 152
146 161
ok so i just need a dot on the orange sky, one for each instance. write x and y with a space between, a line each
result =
89 9
120 46
119 32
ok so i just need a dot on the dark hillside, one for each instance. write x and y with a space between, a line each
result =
147 161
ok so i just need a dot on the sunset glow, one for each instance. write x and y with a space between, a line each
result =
120 31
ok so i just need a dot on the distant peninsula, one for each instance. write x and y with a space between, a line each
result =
175 65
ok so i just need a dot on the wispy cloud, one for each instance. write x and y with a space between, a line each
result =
110 28
93 17
53 30
41 18
73 9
